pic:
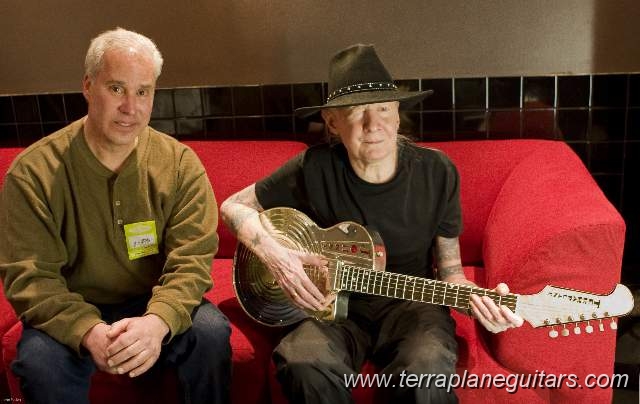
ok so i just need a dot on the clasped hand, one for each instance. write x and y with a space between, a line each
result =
129 346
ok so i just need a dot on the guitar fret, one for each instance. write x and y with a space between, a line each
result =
404 289
413 288
455 303
354 277
444 294
368 278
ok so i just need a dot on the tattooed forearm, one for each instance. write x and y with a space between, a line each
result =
241 213
256 240
238 207
444 273
236 218
448 257
447 250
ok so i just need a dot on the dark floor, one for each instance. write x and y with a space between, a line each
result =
628 354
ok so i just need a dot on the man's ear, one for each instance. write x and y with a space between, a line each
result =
86 87
328 120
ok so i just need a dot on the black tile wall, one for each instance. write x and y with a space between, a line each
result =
6 110
470 93
573 91
504 92
634 90
633 124
26 108
442 97
538 92
163 105
218 101
597 115
609 91
572 125
75 106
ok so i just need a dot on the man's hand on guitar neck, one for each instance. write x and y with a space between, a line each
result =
494 318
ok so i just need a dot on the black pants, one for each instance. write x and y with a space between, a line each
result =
401 337
53 373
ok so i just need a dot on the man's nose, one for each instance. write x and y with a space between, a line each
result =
128 104
371 120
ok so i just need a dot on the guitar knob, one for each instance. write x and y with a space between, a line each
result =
577 330
553 333
613 325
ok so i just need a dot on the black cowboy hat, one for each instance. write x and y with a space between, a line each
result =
357 77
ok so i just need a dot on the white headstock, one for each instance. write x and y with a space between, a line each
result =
558 306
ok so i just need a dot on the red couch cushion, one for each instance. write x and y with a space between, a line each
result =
229 174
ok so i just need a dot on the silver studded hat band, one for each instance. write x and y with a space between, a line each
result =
356 88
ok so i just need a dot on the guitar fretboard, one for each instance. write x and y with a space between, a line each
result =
398 286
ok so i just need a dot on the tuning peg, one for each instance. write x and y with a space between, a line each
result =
577 330
553 333
588 328
613 324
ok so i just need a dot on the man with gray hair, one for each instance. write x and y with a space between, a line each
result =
107 242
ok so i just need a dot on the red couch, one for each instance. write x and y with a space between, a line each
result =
533 216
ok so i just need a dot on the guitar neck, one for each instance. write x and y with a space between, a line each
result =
399 286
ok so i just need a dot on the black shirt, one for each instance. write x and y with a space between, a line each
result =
420 202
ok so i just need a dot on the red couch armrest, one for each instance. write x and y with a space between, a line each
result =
551 224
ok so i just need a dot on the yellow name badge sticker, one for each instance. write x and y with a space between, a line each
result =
141 239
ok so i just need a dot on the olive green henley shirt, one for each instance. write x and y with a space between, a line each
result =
62 232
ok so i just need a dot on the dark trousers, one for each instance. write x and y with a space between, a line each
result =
401 337
53 373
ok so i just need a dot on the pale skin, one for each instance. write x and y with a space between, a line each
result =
120 100
370 135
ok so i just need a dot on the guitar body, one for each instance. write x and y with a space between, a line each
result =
260 295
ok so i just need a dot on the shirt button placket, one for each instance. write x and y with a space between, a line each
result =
117 204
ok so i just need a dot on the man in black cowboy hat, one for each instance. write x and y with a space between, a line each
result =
410 196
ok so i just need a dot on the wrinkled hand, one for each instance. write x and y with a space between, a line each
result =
286 266
96 342
493 318
136 345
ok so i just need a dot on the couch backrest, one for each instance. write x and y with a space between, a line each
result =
7 154
483 166
233 165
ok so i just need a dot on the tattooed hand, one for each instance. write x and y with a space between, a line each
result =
287 267
241 214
